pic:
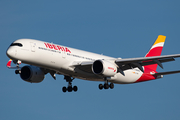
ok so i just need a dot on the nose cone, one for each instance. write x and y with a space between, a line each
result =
10 53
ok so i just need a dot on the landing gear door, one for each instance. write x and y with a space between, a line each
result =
33 47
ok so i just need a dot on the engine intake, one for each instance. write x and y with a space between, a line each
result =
32 74
105 68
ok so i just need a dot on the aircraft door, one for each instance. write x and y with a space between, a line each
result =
33 47
64 54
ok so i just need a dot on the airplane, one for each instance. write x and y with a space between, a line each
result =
43 57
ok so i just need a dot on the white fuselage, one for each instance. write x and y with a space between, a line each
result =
61 59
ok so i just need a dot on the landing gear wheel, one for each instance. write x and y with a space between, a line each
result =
111 85
106 86
75 88
101 86
64 89
70 89
17 71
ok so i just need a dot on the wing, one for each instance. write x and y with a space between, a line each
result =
52 73
129 63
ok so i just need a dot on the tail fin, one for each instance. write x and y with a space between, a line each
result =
156 50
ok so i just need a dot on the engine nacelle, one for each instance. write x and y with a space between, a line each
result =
32 74
105 68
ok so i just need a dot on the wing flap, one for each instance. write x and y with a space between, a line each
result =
160 60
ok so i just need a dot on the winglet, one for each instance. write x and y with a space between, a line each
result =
9 63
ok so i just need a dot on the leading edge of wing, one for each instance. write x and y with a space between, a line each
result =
81 63
85 66
141 59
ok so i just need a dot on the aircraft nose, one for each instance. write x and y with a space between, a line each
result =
10 53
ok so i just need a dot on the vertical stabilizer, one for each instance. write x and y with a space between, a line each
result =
156 50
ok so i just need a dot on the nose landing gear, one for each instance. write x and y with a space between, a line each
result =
70 88
18 62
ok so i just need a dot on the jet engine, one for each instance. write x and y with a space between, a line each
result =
105 68
32 74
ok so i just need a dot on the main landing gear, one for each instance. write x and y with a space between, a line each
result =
106 85
69 88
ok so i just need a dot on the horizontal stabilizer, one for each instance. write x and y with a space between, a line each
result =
166 73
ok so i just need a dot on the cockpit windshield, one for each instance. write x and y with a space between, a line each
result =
16 44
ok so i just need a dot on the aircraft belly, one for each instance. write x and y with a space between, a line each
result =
80 75
130 76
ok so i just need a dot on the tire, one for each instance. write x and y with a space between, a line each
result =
111 85
16 71
101 86
64 89
106 86
75 88
70 89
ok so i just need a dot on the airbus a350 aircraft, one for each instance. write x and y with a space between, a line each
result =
43 57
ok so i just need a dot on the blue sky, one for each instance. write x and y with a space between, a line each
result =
117 28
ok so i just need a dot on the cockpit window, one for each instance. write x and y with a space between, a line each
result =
16 44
